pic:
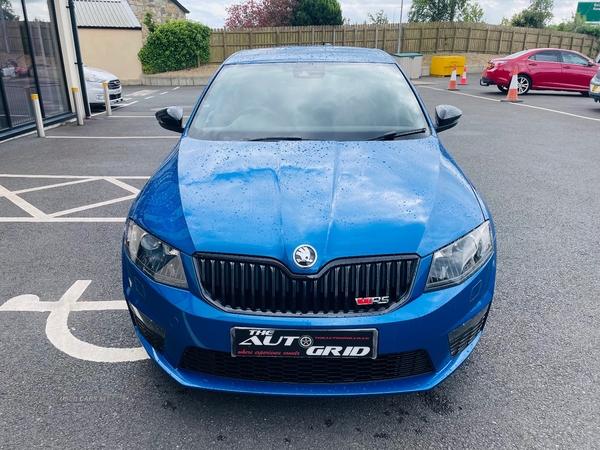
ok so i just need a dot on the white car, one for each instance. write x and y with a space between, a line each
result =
93 84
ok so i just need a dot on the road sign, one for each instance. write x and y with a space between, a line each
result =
591 11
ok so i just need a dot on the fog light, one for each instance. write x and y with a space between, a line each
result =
150 330
461 337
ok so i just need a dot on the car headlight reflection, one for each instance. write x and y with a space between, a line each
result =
155 258
459 260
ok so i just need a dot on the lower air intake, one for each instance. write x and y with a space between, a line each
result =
306 370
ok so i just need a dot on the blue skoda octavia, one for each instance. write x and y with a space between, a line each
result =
309 235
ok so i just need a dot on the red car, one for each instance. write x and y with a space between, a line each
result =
542 69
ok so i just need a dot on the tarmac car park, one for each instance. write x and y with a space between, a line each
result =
74 374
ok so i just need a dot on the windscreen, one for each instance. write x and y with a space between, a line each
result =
322 101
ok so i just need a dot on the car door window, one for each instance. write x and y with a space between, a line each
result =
545 56
572 58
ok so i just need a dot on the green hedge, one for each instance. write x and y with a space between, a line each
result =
175 45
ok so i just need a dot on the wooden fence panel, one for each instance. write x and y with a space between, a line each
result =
416 37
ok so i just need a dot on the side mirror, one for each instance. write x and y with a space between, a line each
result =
171 118
446 117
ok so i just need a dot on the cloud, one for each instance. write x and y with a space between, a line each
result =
213 13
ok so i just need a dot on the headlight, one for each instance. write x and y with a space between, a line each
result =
94 79
459 260
155 258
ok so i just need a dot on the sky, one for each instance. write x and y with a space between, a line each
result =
213 13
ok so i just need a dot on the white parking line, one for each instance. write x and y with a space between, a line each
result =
74 177
115 108
163 93
38 216
25 206
50 186
143 92
146 98
175 88
595 119
92 206
63 220
122 185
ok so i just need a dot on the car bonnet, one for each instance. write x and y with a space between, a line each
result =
343 198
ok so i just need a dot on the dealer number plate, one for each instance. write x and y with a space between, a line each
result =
269 342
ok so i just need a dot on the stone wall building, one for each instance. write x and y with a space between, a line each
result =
161 10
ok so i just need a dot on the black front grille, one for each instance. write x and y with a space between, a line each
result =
114 96
114 84
461 337
262 285
307 370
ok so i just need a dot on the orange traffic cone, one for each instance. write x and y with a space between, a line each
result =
452 85
513 89
463 79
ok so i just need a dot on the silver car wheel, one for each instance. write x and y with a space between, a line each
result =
523 84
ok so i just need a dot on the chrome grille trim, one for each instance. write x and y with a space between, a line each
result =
258 285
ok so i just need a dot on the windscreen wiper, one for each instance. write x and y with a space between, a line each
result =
391 135
276 138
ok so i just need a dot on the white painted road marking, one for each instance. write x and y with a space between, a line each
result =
38 216
68 177
143 93
62 220
146 98
57 329
114 108
50 186
92 206
595 119
25 206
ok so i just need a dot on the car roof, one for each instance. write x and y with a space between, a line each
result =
319 53
554 49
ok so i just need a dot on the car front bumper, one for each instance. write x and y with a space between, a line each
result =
174 320
96 95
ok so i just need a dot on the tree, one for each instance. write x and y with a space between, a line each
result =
261 13
380 17
435 10
471 12
8 13
577 21
317 12
538 15
175 45
281 13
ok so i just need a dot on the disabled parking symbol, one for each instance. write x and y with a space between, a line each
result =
57 329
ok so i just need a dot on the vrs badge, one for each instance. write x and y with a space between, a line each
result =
373 300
